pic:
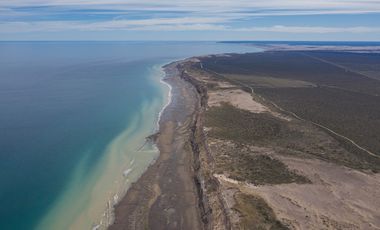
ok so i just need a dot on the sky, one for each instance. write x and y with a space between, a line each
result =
301 20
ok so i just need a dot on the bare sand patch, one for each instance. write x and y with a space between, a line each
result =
235 97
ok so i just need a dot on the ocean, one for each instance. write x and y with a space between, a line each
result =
73 122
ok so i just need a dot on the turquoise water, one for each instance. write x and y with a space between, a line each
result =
73 116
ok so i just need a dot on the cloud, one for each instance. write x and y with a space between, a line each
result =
173 15
185 23
172 24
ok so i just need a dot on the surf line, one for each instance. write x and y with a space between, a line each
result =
169 98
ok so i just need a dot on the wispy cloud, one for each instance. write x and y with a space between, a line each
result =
172 24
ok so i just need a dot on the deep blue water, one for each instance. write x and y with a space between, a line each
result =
61 100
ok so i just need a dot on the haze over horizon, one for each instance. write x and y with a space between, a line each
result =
319 20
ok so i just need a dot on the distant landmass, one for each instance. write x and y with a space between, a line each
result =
359 47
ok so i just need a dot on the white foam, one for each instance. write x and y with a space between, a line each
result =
115 199
126 172
167 104
96 227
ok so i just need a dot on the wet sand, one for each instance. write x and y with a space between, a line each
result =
165 197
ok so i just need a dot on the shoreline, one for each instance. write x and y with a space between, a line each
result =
117 198
146 202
